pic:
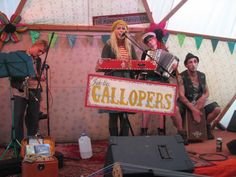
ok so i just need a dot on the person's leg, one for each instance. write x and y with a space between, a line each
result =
32 114
212 110
161 130
178 122
19 111
144 125
113 121
124 125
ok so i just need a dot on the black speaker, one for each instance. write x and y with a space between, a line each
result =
10 167
232 147
232 123
144 155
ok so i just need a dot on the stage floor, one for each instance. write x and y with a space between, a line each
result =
74 166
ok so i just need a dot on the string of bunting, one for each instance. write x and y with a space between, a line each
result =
199 39
72 38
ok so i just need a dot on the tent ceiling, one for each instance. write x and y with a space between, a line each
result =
206 17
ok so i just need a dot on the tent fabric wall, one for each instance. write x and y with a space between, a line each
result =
76 12
218 66
69 68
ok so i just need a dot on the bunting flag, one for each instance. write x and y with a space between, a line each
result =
54 39
231 46
90 39
198 41
165 38
34 36
105 38
181 38
214 43
71 39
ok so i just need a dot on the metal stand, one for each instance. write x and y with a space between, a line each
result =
46 66
14 143
47 99
126 119
15 64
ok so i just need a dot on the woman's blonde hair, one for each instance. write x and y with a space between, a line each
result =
114 43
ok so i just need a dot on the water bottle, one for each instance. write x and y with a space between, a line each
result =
85 146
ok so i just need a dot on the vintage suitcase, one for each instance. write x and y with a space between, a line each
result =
195 131
40 140
40 169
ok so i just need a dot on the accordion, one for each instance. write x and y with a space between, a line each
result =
107 64
164 60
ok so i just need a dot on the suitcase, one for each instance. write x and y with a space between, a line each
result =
40 169
46 140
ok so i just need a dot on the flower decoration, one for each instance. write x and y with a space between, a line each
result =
9 29
158 29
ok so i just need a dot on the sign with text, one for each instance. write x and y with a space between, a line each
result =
135 18
117 93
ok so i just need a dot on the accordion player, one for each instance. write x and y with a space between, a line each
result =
165 61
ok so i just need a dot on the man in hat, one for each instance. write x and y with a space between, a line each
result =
153 40
194 93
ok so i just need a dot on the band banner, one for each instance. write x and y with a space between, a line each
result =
122 94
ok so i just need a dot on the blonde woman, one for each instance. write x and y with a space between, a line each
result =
119 47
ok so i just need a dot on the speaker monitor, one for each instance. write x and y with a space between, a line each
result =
148 153
232 147
232 123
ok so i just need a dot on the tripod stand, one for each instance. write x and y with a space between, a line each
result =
14 143
126 120
15 64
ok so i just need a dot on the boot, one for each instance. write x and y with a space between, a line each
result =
210 136
144 132
220 127
161 131
183 134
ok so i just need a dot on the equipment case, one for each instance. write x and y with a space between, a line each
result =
40 169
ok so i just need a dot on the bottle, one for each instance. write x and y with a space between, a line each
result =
85 146
219 144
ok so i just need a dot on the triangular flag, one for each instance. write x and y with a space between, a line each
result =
90 39
231 46
54 39
181 38
214 43
105 38
71 39
198 41
34 36
165 38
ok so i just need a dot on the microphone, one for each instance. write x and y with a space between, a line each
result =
123 34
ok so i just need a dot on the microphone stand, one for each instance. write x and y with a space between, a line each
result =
137 45
45 66
47 99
